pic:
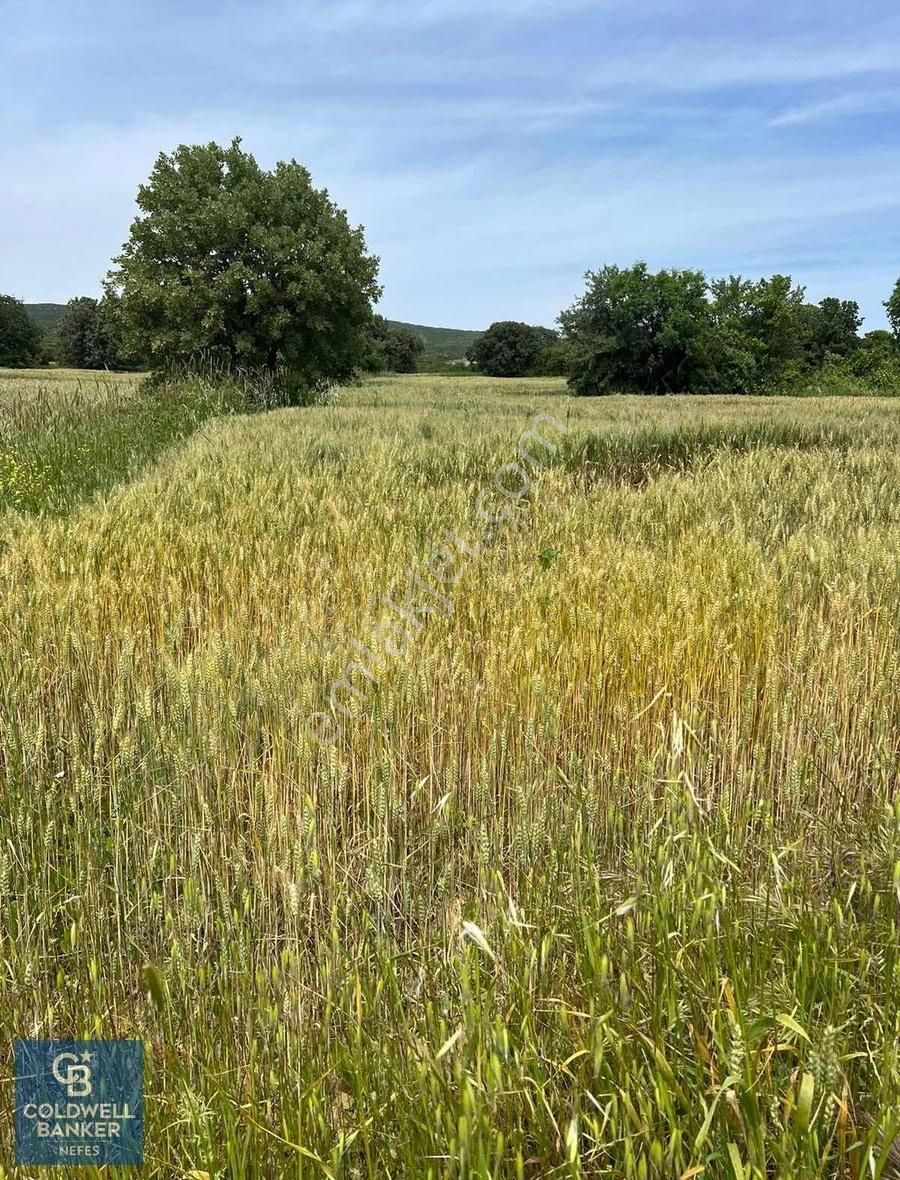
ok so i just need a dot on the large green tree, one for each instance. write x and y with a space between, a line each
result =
636 331
232 266
20 337
510 349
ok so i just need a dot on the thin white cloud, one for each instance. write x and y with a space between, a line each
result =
356 15
860 102
701 64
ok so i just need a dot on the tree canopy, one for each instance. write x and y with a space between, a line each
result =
20 338
676 332
636 330
830 329
393 349
231 266
510 349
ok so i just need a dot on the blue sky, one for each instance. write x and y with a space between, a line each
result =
493 149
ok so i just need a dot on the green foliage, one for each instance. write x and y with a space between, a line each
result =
510 349
633 330
675 332
233 266
393 349
893 310
829 329
20 338
77 335
402 350
869 368
856 376
90 335
877 360
553 361
47 317
49 352
875 363
877 347
757 336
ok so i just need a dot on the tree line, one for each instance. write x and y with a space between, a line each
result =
676 331
235 269
90 335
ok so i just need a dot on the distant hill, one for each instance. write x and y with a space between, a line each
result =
45 315
442 345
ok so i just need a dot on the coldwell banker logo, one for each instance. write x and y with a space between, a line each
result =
79 1102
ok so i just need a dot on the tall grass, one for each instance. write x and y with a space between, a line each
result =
601 880
64 439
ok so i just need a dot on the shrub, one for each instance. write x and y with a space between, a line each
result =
510 349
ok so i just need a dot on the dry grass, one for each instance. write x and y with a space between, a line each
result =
602 879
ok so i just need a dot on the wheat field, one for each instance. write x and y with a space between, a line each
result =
597 873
